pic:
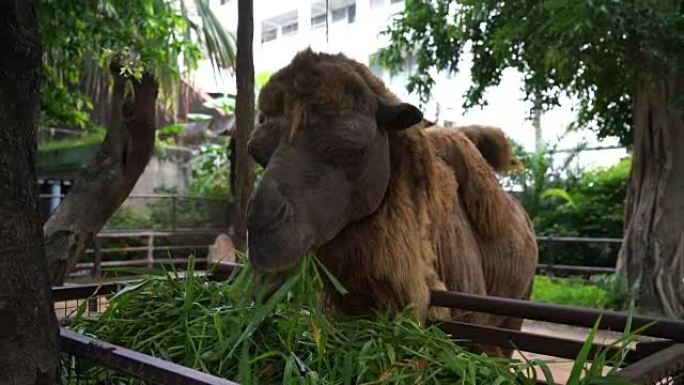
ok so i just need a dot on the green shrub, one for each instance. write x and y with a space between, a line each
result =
211 170
126 218
595 204
593 207
566 201
618 296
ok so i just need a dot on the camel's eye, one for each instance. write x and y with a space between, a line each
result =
261 118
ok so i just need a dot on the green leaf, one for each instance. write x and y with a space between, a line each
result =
131 288
198 117
558 192
289 369
335 282
583 356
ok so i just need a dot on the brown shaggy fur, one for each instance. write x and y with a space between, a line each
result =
493 145
444 223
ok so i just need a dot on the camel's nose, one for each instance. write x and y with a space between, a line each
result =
268 209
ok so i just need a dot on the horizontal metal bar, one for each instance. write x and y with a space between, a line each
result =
151 196
139 262
223 270
551 238
189 231
157 232
576 269
83 291
657 366
568 315
646 348
135 364
527 342
145 248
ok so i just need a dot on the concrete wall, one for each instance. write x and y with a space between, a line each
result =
168 170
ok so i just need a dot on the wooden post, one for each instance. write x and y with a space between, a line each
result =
150 250
244 119
173 212
96 272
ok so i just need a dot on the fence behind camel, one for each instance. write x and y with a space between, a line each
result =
154 247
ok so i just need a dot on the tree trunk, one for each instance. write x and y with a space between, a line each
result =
106 182
652 255
28 341
536 123
244 120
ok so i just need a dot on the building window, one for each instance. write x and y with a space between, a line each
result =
318 21
351 13
339 14
268 33
286 23
339 9
377 3
396 1
225 2
344 10
290 29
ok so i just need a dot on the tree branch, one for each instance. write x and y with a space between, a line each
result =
106 182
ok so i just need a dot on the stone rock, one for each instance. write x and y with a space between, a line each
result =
222 250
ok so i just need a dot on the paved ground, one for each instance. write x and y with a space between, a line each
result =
561 368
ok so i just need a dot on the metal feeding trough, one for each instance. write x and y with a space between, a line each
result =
657 359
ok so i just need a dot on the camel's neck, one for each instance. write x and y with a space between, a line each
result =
385 259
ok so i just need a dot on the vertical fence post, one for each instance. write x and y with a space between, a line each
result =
174 225
150 249
173 212
96 273
97 260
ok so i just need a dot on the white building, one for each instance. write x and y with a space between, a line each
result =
284 27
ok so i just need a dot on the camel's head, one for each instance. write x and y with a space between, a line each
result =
322 136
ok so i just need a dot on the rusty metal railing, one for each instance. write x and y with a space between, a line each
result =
133 364
656 358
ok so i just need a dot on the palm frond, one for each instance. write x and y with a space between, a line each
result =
218 42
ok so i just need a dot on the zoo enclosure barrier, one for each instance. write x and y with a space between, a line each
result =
566 269
159 211
93 267
656 358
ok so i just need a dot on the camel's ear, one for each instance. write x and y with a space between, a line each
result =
397 116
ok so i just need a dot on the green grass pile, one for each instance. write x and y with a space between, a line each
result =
217 328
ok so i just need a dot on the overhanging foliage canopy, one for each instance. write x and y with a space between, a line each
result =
157 36
592 50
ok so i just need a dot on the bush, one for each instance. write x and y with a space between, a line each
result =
566 201
211 170
592 206
127 218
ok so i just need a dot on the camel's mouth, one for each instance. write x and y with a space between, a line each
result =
266 284
276 251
